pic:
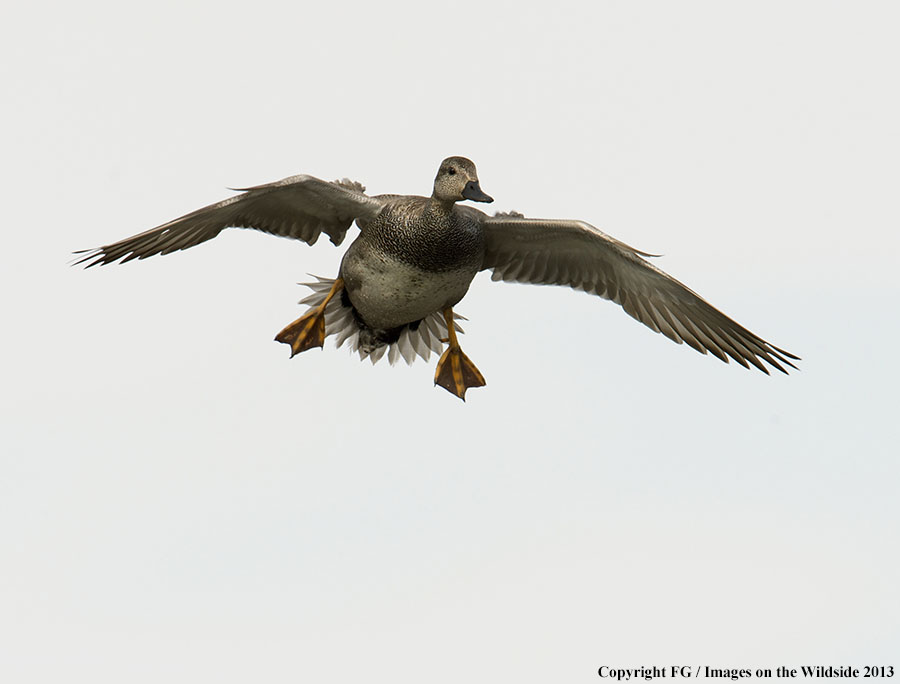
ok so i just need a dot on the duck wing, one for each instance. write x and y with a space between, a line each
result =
575 253
299 207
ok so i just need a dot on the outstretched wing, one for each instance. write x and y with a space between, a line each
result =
575 253
300 207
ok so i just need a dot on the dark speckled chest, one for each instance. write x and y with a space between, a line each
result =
410 231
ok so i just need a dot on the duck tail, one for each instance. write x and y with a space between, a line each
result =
419 338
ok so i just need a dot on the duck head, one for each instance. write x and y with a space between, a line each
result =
457 180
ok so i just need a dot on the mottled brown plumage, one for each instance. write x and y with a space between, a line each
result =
415 258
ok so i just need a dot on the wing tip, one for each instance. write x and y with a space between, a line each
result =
95 256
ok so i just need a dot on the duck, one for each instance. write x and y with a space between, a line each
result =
415 258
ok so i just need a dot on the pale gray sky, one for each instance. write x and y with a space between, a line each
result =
181 502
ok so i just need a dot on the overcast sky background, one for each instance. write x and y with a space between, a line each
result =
181 502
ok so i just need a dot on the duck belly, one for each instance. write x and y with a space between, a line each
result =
388 293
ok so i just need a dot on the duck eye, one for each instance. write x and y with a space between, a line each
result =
451 171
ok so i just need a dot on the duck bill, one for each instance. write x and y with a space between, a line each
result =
473 192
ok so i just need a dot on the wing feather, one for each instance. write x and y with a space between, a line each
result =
575 253
299 207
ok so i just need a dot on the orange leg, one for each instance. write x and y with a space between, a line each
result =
455 372
308 331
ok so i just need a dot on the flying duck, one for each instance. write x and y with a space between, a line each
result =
415 257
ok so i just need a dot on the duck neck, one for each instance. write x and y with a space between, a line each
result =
437 207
